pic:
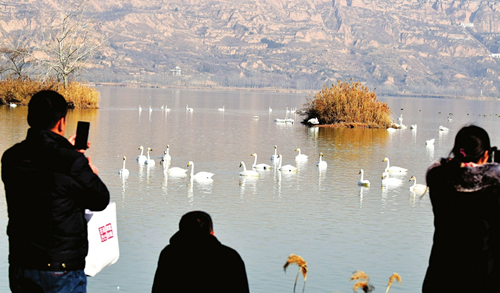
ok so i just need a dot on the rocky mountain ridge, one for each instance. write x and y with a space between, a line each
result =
402 46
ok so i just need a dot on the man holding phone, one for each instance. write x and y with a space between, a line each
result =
48 185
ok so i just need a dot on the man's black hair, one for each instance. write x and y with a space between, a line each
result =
45 109
196 222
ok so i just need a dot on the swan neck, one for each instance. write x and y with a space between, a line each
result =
192 169
255 161
123 164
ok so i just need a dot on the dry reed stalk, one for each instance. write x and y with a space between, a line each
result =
298 260
363 282
393 277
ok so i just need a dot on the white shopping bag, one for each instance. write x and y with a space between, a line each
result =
103 239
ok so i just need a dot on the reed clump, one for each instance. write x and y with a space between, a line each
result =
298 260
20 91
347 103
362 281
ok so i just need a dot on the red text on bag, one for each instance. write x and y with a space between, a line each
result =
106 232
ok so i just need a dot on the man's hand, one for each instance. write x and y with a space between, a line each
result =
94 168
72 140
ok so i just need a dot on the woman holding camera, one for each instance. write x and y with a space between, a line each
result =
465 195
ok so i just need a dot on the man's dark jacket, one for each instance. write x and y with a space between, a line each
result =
48 185
199 263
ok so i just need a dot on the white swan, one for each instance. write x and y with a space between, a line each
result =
140 108
222 109
321 164
123 171
150 109
141 159
393 169
167 108
200 176
260 167
288 168
189 109
313 121
149 161
430 142
363 182
270 110
275 158
12 105
442 128
176 172
413 126
166 156
246 172
417 188
400 119
300 157
388 181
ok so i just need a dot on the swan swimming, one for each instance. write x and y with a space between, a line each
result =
189 109
417 188
149 161
300 157
313 121
442 128
200 176
388 181
222 109
288 168
246 172
393 169
275 158
166 156
413 126
141 159
260 167
123 171
430 142
176 172
321 164
363 182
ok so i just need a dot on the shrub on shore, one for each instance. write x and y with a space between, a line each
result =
347 103
20 91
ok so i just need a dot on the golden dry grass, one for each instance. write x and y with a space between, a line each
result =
363 282
298 260
394 276
295 259
20 91
348 103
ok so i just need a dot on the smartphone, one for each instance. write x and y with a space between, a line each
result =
82 135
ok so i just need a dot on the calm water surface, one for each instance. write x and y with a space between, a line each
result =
322 216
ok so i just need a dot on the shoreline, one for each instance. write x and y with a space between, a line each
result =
291 91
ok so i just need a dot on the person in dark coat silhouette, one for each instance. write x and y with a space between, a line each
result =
465 194
195 261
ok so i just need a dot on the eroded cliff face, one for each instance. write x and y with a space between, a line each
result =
421 46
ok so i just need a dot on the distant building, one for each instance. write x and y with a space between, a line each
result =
466 24
176 71
495 55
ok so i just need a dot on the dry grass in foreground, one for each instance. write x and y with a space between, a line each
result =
347 103
20 91
302 268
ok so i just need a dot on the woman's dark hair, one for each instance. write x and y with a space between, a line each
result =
470 144
45 109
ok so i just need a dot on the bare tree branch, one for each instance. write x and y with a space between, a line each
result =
72 40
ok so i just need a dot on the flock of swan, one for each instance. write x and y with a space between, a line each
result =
391 176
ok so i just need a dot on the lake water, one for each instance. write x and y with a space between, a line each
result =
322 216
